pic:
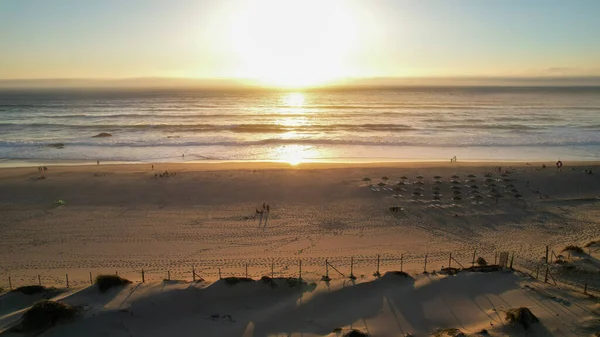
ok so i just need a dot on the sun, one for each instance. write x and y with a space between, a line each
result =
294 44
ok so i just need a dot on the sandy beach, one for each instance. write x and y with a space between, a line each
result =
203 217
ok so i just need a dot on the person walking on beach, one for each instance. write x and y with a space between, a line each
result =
97 162
268 208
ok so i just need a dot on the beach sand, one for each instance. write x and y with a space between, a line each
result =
121 218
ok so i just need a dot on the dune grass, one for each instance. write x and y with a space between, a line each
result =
105 282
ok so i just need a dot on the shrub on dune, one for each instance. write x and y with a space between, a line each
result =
522 316
452 332
235 280
105 282
481 261
45 314
31 290
356 333
396 274
573 249
592 243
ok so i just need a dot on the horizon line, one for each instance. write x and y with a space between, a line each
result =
245 83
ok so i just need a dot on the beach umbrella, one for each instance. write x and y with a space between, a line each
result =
419 182
474 191
488 175
471 176
381 184
417 194
510 185
436 193
506 179
419 177
366 179
504 175
398 189
457 192
437 177
489 180
419 189
435 197
455 177
455 182
401 183
456 187
438 182
404 177
436 188
514 190
518 196
385 178
493 190
457 198
472 181
474 186
493 184
478 197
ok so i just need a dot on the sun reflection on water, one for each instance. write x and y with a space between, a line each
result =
294 154
293 99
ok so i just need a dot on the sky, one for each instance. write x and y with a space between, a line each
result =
297 42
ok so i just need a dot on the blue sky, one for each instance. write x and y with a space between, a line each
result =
237 38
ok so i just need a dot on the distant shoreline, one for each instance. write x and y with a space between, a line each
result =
316 164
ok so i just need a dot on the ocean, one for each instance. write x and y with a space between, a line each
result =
485 123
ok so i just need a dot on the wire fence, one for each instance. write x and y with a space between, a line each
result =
313 269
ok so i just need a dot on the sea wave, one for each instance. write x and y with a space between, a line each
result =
237 128
182 143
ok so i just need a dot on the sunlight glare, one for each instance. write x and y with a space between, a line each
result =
294 44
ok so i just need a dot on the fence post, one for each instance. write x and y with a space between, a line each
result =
272 269
512 258
326 269
91 282
473 262
67 278
401 261
547 266
39 280
117 273
300 270
450 261
220 278
495 258
168 275
143 276
352 277
425 267
246 270
9 283
377 272
194 274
